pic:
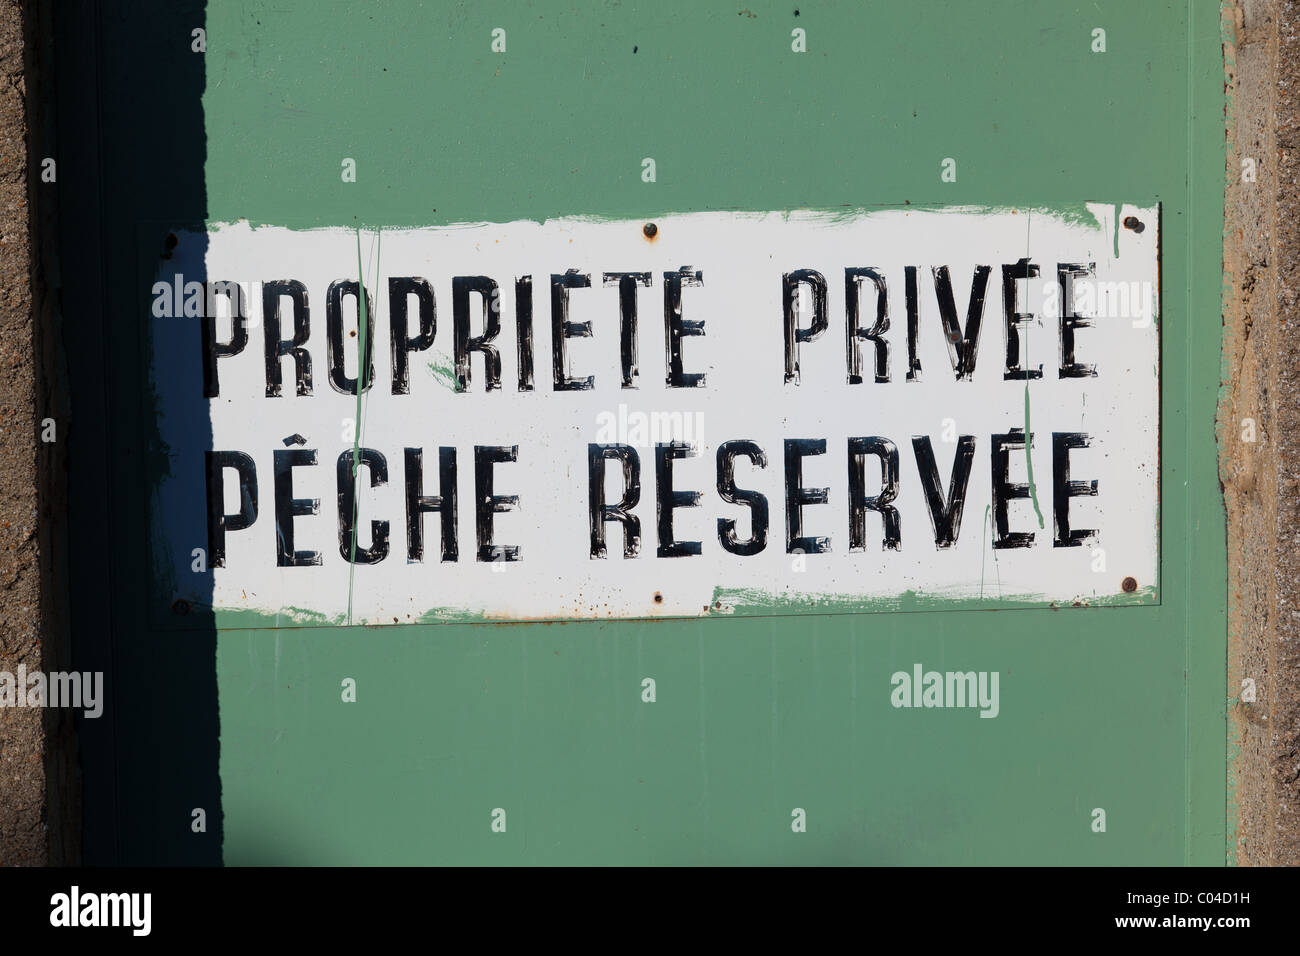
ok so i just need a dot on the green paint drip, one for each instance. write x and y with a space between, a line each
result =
984 548
1118 206
362 365
1029 435
1029 462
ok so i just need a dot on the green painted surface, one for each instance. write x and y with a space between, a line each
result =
1120 708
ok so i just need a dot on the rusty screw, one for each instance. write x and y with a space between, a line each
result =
1134 223
659 598
1129 585
650 230
180 606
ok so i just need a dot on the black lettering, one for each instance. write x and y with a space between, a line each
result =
667 499
860 503
961 347
758 517
796 496
276 346
339 379
599 512
287 507
1063 489
913 323
417 503
562 330
463 344
213 350
524 331
794 334
1023 269
1004 491
627 283
377 466
676 328
1066 273
945 517
218 521
400 290
487 504
856 336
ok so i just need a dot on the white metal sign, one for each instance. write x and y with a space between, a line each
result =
591 418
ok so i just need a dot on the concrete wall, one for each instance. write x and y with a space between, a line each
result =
38 793
1260 427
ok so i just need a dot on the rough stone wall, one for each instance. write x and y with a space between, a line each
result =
39 808
1259 426
22 731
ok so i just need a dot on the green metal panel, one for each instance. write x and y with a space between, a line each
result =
1119 708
